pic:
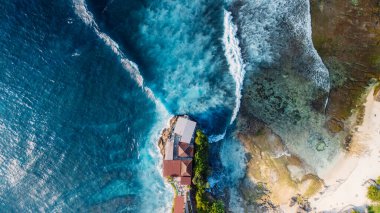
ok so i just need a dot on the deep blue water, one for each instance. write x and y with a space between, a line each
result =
77 132
87 85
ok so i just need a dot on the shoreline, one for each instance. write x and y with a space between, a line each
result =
346 181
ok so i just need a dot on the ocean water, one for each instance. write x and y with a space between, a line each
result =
286 83
87 86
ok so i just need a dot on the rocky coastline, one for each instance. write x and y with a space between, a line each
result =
345 35
165 134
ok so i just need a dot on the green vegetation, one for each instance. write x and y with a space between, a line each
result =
374 209
171 181
201 171
217 207
355 2
374 191
376 88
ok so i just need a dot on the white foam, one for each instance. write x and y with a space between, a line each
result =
216 138
269 29
82 11
235 61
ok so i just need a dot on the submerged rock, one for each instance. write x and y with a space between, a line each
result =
273 169
321 145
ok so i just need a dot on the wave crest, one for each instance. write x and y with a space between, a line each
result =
87 17
234 59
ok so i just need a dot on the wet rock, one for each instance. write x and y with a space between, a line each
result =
377 94
321 146
165 135
347 142
334 125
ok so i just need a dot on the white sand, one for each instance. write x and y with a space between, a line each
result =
346 181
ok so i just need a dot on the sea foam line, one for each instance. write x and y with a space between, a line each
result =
234 59
323 79
86 16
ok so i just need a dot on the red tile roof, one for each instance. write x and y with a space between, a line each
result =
185 150
179 204
172 168
185 181
186 168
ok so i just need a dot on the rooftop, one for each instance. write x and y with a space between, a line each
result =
186 168
186 181
185 128
179 204
172 168
169 148
185 150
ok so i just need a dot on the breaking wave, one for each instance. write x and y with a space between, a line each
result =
234 59
87 17
271 28
216 138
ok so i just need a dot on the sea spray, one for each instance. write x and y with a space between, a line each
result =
267 33
87 17
216 138
148 155
154 187
234 59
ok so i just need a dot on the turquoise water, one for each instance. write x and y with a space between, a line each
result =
86 87
287 85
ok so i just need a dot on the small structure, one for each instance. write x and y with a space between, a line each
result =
169 148
185 150
172 168
177 168
186 181
185 129
186 168
179 204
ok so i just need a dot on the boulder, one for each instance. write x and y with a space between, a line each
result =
377 95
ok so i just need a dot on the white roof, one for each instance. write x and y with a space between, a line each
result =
169 147
185 128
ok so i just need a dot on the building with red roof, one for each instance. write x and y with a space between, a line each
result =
172 168
185 150
186 168
186 181
179 204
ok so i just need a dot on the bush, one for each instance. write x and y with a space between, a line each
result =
201 172
374 191
374 209
217 207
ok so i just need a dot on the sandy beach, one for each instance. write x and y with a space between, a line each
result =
346 181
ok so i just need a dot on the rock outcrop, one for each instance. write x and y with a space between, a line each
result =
345 34
377 93
275 174
165 134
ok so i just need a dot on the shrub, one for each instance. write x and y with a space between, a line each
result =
374 209
373 192
201 172
217 207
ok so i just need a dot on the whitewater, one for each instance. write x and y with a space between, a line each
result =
234 59
148 153
233 56
82 11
